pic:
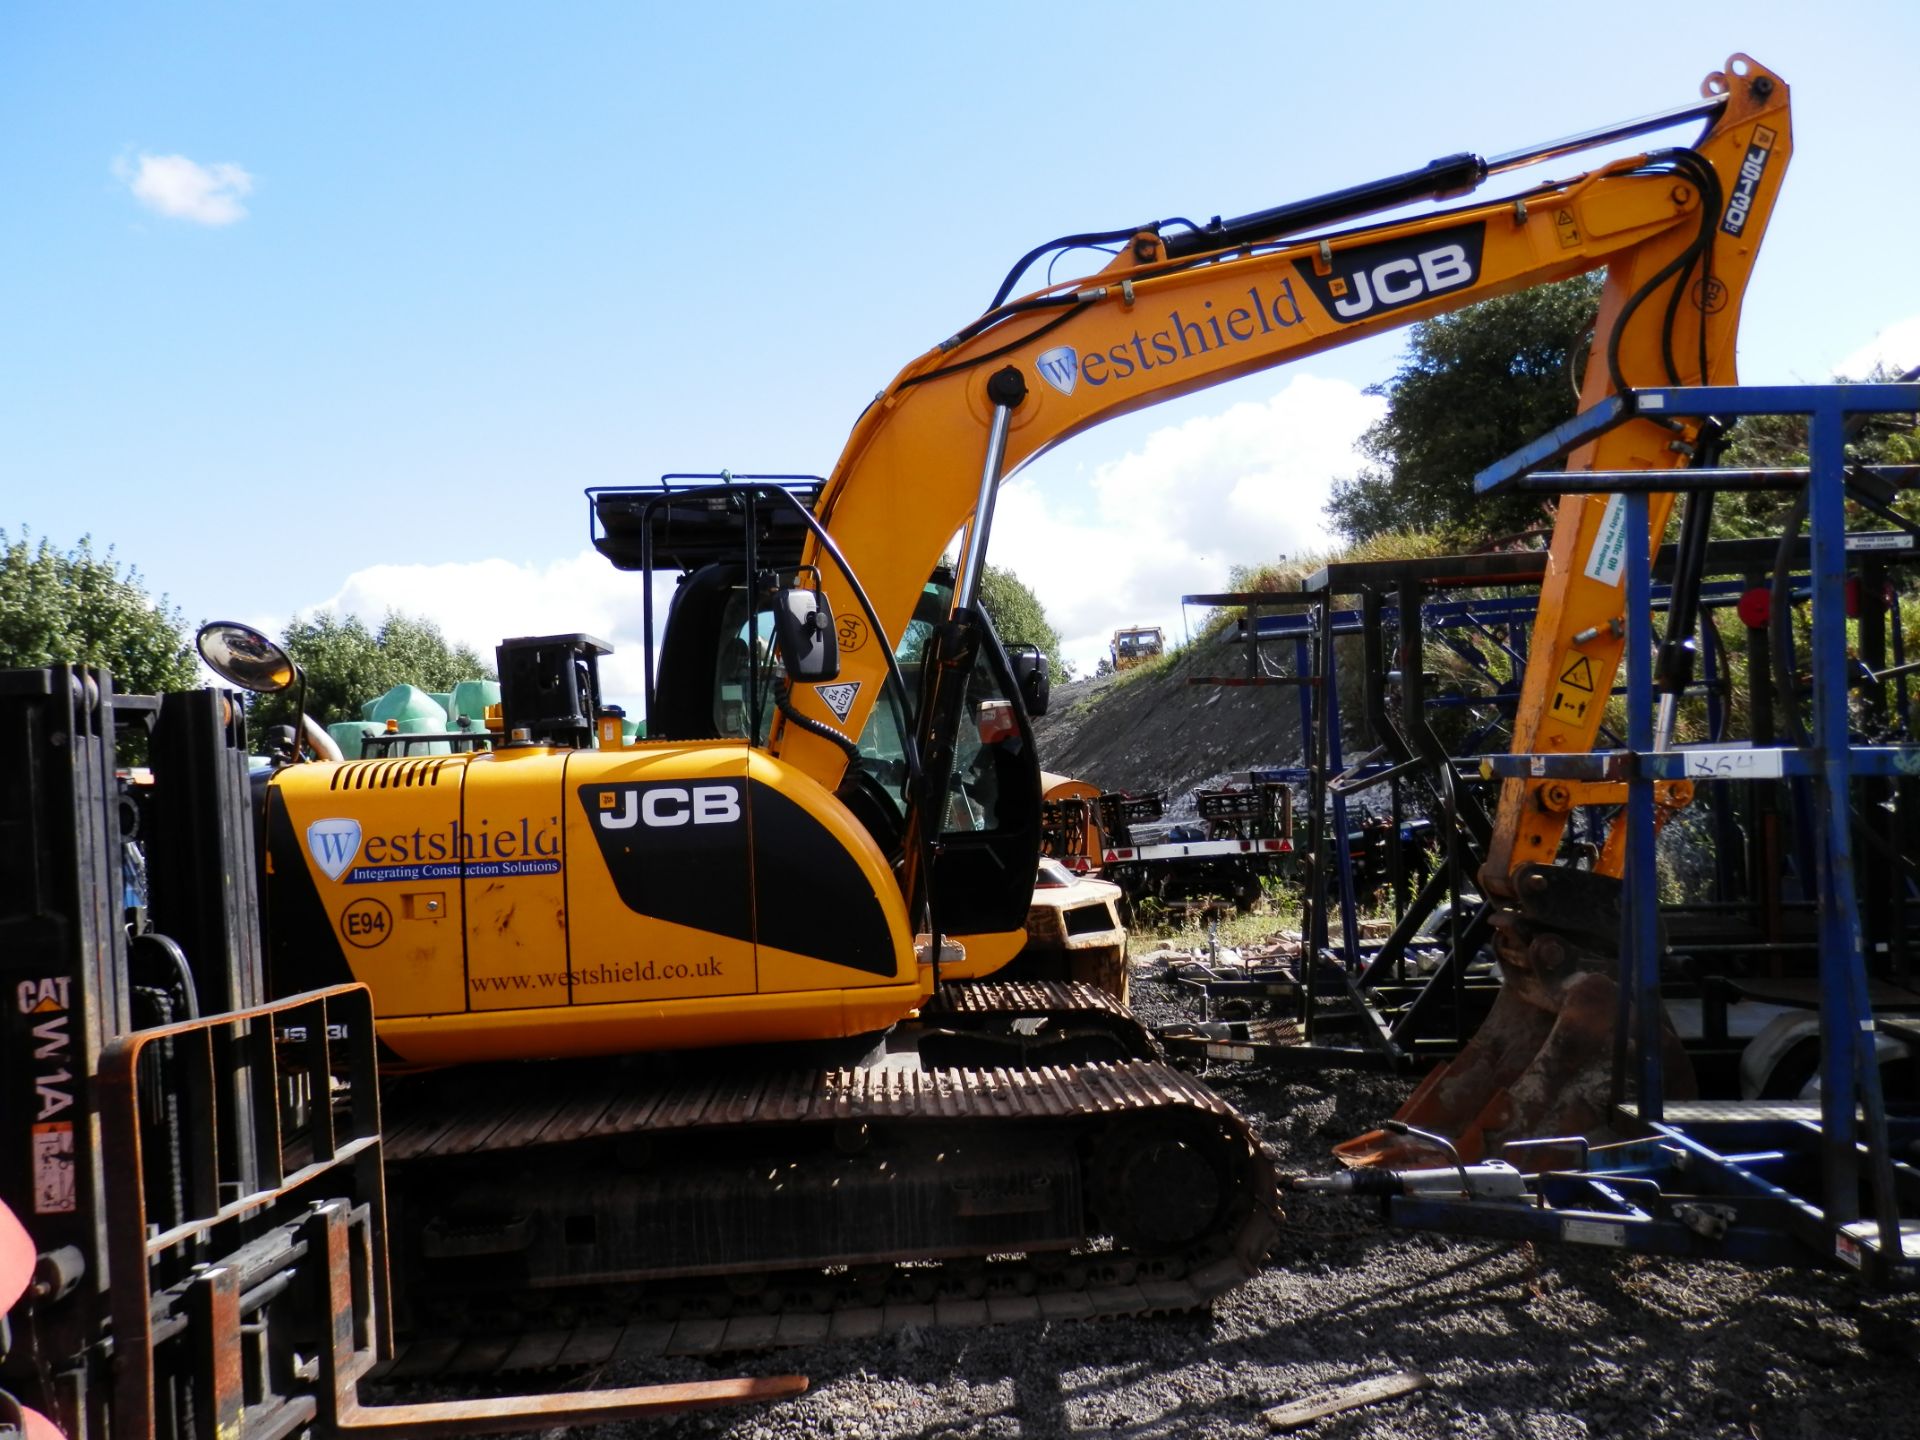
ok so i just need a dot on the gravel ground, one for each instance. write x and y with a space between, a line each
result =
1518 1341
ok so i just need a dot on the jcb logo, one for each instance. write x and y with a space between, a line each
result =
1374 279
1747 185
663 807
1401 282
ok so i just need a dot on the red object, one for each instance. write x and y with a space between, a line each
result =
17 1257
1853 597
1756 607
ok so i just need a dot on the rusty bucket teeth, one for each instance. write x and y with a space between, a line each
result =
1540 1065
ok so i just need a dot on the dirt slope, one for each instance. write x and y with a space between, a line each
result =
1153 730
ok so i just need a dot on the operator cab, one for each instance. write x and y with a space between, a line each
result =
721 668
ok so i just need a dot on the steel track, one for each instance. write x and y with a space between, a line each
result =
548 1117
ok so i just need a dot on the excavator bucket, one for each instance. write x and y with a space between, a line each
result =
1541 1064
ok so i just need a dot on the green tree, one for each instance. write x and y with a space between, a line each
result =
1471 387
1018 615
1781 441
74 606
348 664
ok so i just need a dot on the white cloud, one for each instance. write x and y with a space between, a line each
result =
1168 519
1895 350
482 602
1173 517
174 186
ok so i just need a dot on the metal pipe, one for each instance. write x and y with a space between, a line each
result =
1006 389
1447 178
1708 109
1639 973
1788 478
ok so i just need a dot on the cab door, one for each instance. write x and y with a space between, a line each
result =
990 824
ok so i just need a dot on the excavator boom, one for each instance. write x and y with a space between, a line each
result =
1676 230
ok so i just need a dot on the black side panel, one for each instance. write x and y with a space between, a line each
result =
302 953
677 852
680 852
811 895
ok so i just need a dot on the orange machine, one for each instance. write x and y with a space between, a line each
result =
839 773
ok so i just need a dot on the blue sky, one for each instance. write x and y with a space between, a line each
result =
470 258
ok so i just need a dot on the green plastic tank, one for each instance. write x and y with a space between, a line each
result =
348 734
471 698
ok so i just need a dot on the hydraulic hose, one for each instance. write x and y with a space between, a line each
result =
782 697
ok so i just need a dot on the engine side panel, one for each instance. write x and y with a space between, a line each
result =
535 902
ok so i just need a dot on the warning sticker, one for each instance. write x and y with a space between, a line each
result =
1569 704
839 698
1573 693
1608 560
1880 540
1569 229
53 1187
1579 674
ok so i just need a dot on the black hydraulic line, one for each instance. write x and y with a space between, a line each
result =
1071 303
1674 670
783 698
995 314
1708 180
1441 179
1086 240
1694 167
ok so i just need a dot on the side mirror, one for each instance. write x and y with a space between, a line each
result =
242 656
1033 674
804 627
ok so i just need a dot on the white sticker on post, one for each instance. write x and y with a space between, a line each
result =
1881 540
1763 764
54 1192
1607 562
1593 1232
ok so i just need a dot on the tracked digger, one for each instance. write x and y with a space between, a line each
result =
701 1036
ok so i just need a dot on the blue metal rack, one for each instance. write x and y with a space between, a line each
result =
1759 1180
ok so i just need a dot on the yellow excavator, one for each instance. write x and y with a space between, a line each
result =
835 815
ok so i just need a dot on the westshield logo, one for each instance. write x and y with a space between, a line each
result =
1059 367
333 844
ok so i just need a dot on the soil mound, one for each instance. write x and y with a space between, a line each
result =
1154 728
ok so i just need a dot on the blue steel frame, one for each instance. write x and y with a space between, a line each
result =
1440 619
1792 1176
